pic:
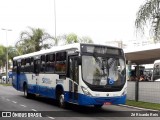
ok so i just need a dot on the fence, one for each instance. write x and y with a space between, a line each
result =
144 91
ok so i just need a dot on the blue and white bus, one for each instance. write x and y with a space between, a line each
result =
83 74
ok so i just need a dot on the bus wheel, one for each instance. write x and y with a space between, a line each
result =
61 101
98 106
26 94
25 91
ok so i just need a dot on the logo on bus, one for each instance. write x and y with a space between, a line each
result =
46 80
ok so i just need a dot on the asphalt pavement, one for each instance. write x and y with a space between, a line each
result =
13 101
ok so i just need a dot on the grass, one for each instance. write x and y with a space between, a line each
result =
4 84
147 105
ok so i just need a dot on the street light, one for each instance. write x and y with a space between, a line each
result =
6 54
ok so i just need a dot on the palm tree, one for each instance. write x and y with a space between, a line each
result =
12 52
34 40
149 12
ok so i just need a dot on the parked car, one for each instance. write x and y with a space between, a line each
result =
2 74
4 79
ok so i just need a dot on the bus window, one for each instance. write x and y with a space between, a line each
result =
36 66
60 62
32 64
23 63
27 66
14 66
50 62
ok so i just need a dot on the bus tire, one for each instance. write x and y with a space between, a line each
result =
62 103
98 106
25 90
26 94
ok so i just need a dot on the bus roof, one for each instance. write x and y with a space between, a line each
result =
53 49
157 61
56 48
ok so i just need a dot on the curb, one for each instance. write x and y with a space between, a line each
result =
137 107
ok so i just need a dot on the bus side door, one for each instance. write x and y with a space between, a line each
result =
73 73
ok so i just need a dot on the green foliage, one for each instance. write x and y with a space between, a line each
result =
35 39
85 39
149 12
73 38
2 55
12 52
147 105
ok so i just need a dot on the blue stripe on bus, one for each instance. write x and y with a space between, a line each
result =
87 100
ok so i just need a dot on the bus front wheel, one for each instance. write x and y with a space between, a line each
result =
98 106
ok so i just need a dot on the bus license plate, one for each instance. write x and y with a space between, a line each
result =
107 103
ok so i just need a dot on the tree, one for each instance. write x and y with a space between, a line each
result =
34 40
85 39
2 56
73 38
149 12
12 52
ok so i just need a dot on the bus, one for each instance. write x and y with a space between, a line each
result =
82 74
156 71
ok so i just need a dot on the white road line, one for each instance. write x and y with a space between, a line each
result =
137 107
14 101
51 117
33 110
8 99
23 105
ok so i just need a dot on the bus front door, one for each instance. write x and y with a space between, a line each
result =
73 73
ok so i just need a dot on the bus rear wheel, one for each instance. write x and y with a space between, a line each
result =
25 90
62 103
26 94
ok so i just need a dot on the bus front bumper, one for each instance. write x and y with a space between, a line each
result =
90 100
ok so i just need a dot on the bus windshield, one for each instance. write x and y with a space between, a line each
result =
100 71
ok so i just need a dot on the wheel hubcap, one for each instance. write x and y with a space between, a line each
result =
61 100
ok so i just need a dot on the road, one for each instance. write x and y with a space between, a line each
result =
12 100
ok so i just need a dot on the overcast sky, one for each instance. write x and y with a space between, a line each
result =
102 20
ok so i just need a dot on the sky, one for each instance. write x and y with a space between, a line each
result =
101 20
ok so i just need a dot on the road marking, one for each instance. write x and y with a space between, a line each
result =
8 99
14 101
137 107
23 105
51 117
33 110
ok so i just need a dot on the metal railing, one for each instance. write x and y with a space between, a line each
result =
146 91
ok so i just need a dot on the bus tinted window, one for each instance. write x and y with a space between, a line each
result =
61 62
50 63
27 66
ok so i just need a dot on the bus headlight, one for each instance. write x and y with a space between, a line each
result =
124 92
85 91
